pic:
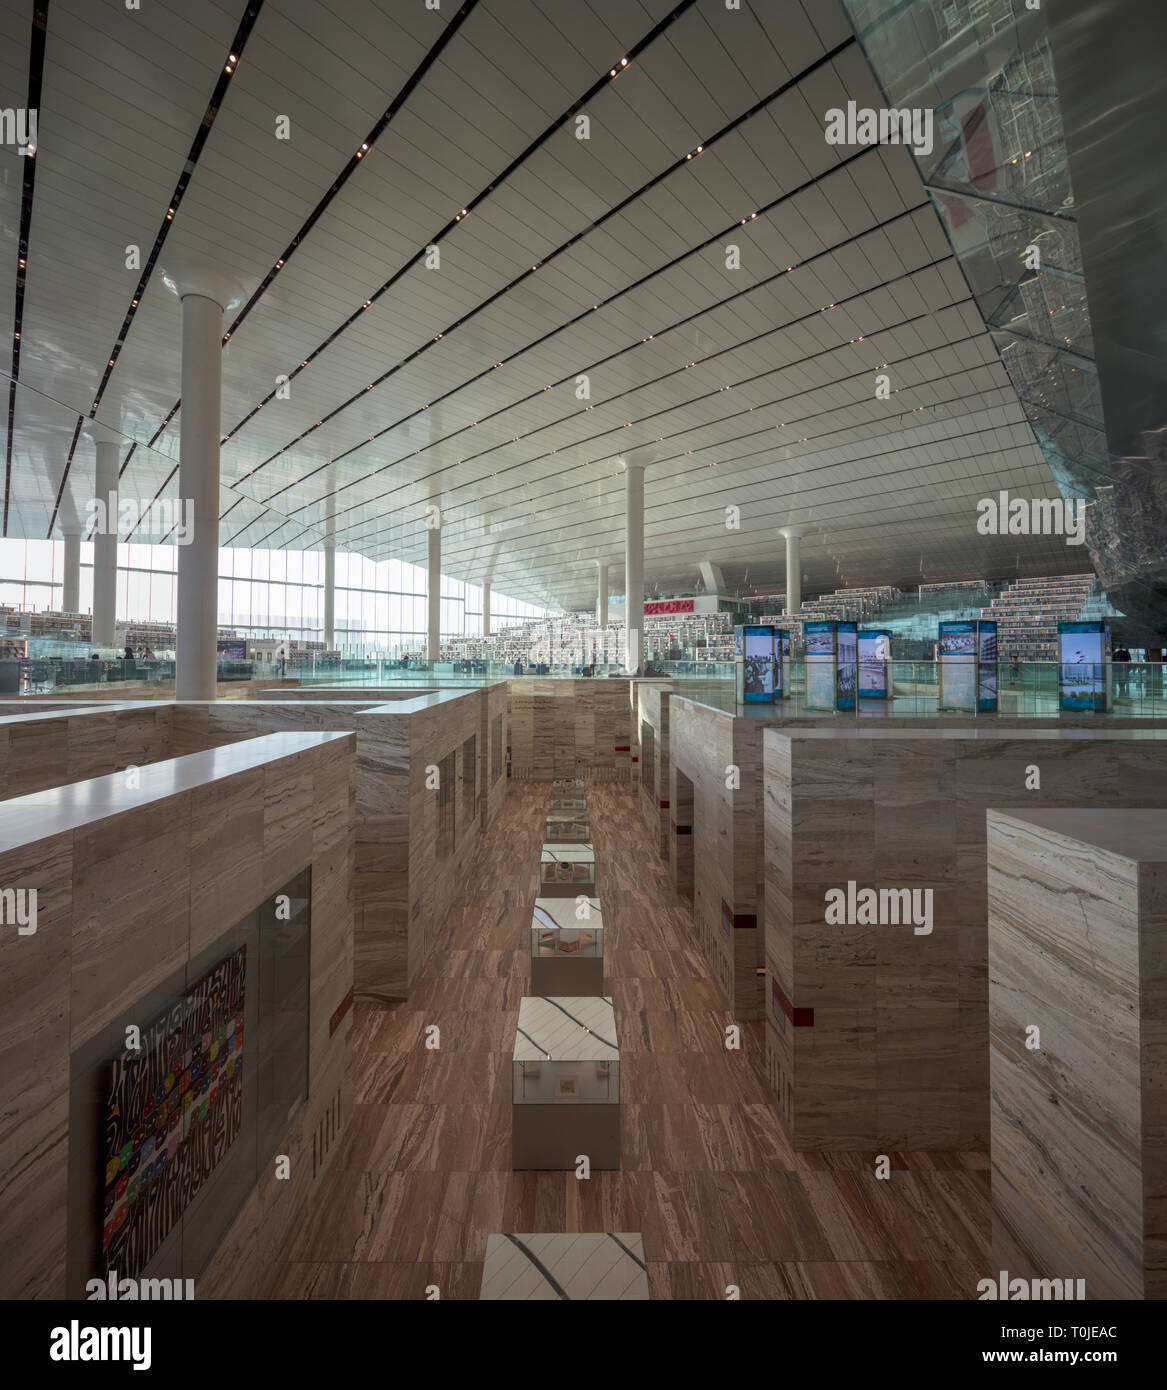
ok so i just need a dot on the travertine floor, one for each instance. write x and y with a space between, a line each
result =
708 1178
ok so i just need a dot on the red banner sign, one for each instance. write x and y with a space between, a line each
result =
670 605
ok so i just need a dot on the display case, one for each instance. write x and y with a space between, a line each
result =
579 1266
577 804
567 870
565 1083
575 831
567 946
567 786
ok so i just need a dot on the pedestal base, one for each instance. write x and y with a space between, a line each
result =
554 1136
567 975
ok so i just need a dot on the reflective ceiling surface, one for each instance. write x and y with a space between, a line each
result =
579 309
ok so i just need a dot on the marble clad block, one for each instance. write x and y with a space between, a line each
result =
571 728
878 1036
125 875
34 1074
714 841
1077 925
653 710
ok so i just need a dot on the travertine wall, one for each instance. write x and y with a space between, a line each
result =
403 891
653 710
562 727
134 883
67 743
704 744
726 853
492 779
1077 926
878 1038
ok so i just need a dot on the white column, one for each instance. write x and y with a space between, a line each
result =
601 595
71 593
793 536
330 557
198 489
633 564
105 544
486 632
433 623
330 597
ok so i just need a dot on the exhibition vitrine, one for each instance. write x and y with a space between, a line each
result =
567 946
565 1084
568 869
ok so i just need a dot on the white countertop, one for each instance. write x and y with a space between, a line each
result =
568 853
561 1027
558 913
26 819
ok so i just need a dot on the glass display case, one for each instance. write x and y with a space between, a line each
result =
577 804
567 946
567 786
567 869
565 1083
571 831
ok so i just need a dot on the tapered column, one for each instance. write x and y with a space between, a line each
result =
793 536
329 597
198 488
486 608
105 544
433 623
633 564
71 592
601 594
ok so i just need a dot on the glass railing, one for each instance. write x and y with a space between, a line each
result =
1025 689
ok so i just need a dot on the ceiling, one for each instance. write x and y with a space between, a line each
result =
602 257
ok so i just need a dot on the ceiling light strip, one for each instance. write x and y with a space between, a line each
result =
680 323
795 422
566 246
579 318
214 105
450 224
36 70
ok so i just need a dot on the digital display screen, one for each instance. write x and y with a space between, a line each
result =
820 665
758 649
1082 670
987 671
847 680
958 666
874 654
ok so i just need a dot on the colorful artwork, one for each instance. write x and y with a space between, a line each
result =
173 1109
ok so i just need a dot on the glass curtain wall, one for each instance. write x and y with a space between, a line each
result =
380 605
